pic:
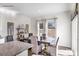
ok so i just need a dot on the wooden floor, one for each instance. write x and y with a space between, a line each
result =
64 48
65 51
59 48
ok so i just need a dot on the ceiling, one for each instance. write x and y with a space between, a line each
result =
37 9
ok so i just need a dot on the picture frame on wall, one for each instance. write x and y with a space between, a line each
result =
51 24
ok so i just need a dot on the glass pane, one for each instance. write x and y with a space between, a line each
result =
52 28
51 24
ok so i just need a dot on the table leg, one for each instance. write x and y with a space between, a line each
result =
45 50
30 52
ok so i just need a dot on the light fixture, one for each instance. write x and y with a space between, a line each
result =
7 11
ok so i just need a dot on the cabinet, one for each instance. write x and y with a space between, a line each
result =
22 31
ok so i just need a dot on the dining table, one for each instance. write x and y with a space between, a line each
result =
46 42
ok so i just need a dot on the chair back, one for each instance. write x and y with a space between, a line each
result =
53 50
9 38
57 41
34 43
33 40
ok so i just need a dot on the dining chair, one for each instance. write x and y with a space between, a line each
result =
52 48
9 38
36 47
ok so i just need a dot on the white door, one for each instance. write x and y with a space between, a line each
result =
74 36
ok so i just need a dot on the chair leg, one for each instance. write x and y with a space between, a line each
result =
30 52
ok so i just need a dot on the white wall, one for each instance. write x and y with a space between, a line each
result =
18 19
78 36
63 28
33 26
21 19
4 19
74 36
0 25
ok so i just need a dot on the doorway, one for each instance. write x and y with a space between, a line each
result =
10 31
